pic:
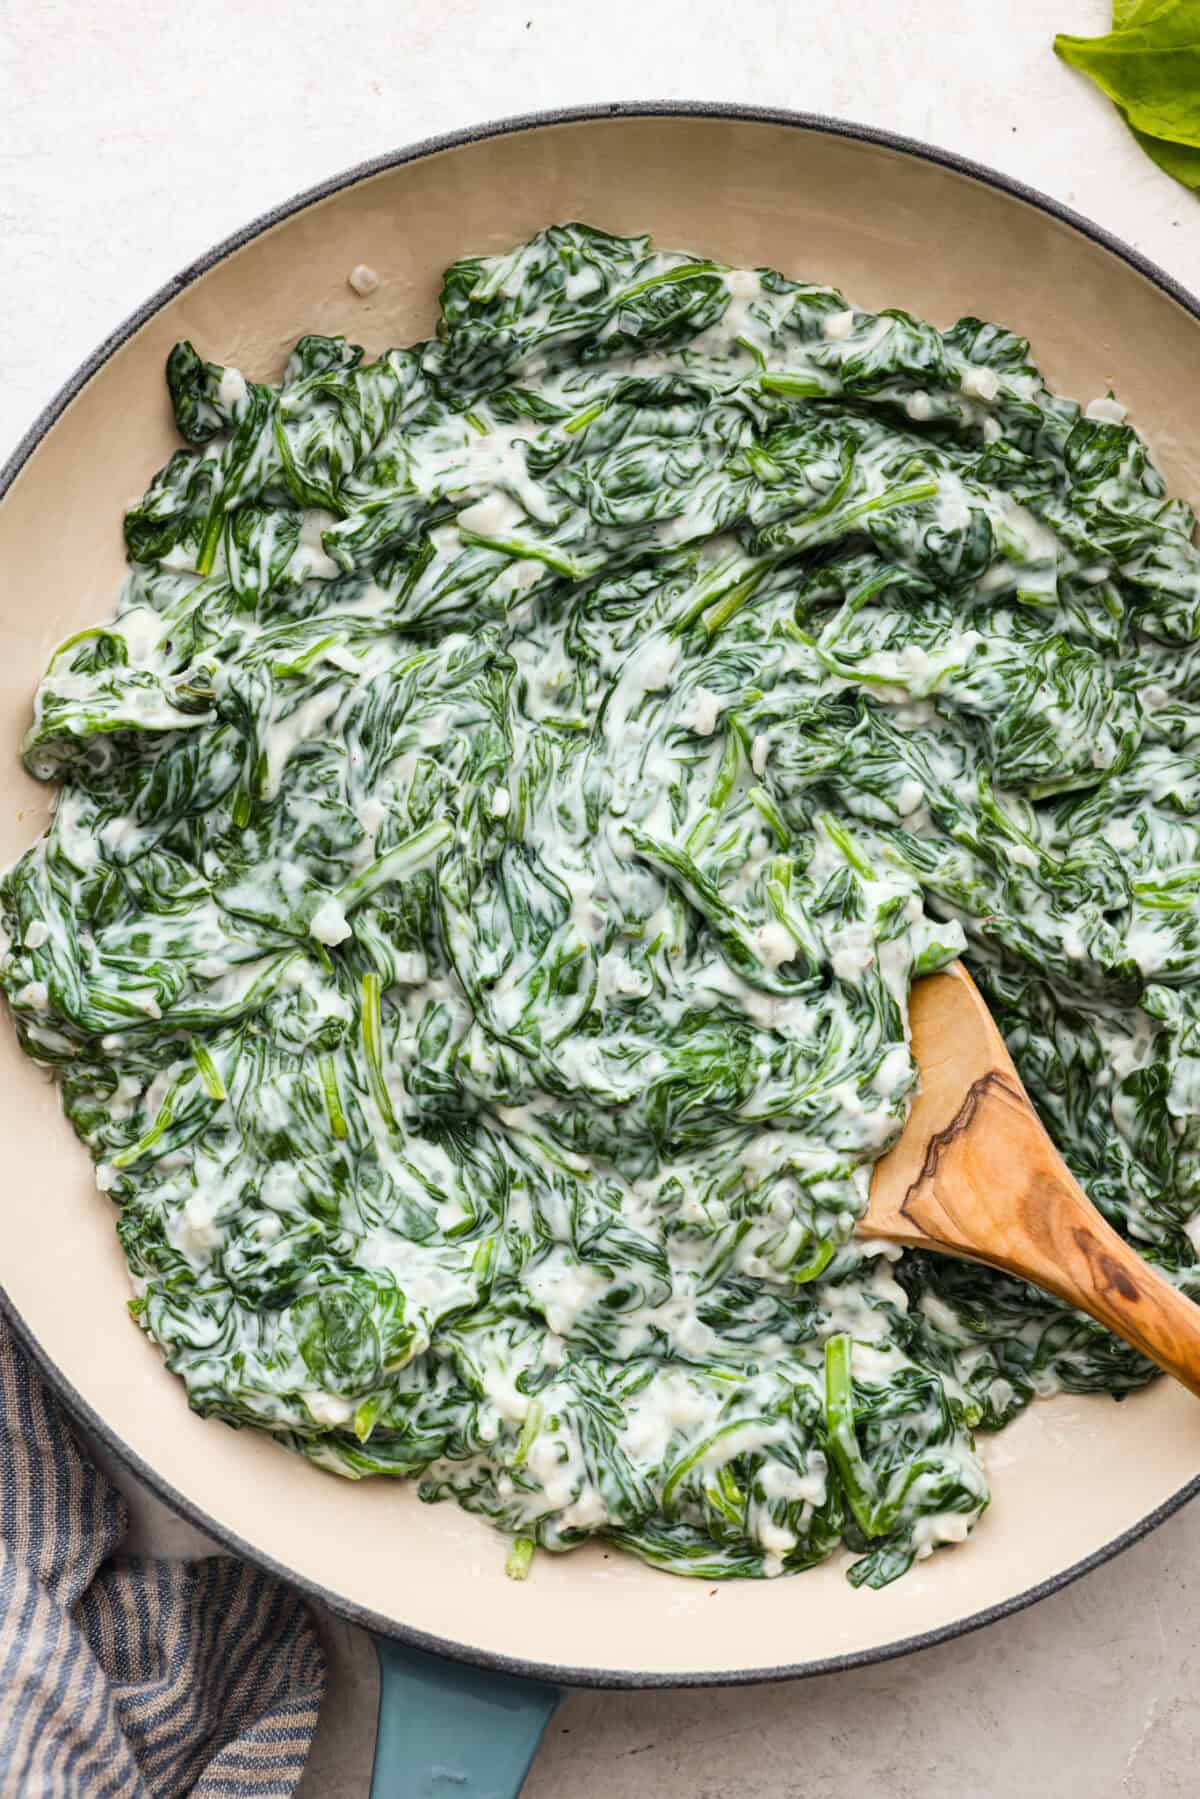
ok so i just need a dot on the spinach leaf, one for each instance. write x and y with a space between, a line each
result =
1149 65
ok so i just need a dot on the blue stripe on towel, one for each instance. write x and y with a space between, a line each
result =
133 1678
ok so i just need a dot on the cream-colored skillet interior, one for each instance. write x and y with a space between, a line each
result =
890 229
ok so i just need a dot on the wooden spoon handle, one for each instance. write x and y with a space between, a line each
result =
994 1188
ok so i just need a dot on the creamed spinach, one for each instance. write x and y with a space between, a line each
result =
497 835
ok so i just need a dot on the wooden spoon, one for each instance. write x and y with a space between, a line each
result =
974 1174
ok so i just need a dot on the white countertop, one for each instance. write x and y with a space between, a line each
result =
136 135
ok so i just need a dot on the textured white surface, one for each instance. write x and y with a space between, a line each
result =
132 137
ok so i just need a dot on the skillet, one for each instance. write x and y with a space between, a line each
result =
471 1662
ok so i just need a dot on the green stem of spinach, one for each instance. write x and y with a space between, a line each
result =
333 1103
372 1042
520 1556
857 1481
396 864
210 1074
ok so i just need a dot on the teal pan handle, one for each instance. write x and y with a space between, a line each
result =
450 1731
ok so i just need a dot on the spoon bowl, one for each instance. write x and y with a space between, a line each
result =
975 1174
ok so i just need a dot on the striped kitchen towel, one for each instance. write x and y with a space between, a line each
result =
138 1678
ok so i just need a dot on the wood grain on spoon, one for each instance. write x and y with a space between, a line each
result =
974 1174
